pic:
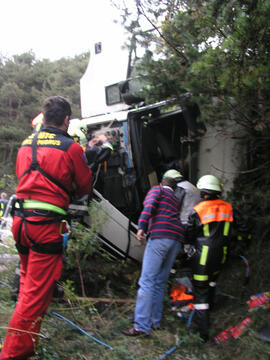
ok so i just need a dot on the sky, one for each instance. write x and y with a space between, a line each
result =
53 29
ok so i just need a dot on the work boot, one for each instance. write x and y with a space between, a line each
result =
134 332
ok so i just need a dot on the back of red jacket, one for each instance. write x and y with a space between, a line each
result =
60 158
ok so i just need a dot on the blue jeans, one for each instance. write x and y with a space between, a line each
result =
158 259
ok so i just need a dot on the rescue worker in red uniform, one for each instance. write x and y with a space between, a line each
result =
208 229
51 169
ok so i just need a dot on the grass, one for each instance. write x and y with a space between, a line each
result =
104 321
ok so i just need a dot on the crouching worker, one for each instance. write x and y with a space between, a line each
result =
159 219
51 168
208 229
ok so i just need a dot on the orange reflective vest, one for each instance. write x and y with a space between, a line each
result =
214 211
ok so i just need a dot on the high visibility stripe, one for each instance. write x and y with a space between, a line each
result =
41 205
201 306
226 228
214 216
200 277
204 253
212 284
2 209
225 248
206 230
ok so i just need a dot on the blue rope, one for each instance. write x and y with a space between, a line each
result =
247 265
169 351
190 318
180 342
1 282
82 331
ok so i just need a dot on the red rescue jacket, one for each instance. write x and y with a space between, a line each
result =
65 171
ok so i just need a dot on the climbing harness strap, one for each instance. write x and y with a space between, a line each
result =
57 216
35 166
41 205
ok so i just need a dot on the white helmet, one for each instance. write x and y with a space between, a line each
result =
172 173
77 131
209 183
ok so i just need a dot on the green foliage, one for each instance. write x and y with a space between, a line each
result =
69 290
7 182
218 51
83 241
212 49
24 83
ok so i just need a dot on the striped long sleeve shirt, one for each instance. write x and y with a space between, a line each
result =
160 215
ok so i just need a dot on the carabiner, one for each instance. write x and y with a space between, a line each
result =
67 227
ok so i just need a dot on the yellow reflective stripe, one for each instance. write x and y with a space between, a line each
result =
204 253
206 230
226 228
41 205
225 248
38 127
1 209
200 277
239 237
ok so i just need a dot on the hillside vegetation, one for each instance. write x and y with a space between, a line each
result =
218 51
90 328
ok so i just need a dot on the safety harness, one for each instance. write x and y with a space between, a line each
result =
34 208
35 166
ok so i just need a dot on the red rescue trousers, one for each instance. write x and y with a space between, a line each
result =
39 272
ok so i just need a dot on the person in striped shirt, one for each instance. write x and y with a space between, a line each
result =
159 222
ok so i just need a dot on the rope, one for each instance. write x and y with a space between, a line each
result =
190 318
82 331
247 265
85 333
171 350
1 282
